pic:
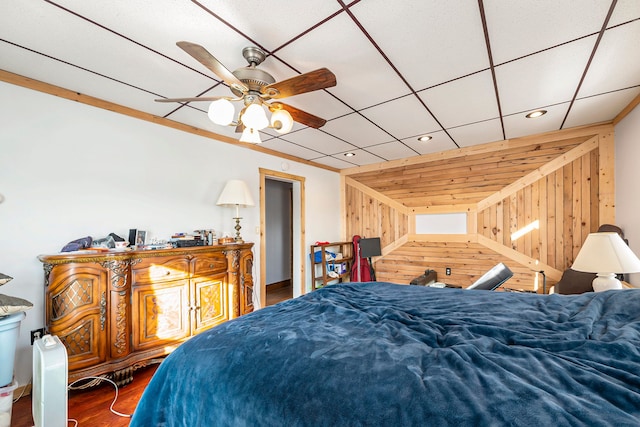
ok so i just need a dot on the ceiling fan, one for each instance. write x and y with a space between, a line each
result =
255 87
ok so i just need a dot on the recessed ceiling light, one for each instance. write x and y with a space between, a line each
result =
349 154
537 113
425 138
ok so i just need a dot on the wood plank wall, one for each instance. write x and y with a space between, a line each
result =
563 180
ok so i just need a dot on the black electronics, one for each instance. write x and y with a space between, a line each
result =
132 236
189 243
370 247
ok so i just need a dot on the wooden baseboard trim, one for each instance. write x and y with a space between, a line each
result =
279 285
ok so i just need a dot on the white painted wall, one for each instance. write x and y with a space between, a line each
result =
627 136
68 170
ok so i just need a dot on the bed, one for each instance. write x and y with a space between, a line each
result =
380 354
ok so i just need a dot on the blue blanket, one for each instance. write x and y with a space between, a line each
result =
379 354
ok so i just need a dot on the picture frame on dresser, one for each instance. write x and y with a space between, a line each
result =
141 237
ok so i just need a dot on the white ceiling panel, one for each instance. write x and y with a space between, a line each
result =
517 125
403 117
262 21
477 133
394 63
429 42
281 145
362 157
467 100
440 142
335 162
392 150
612 66
625 11
517 28
364 76
600 108
357 130
320 141
546 78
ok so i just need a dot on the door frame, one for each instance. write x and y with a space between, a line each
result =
298 224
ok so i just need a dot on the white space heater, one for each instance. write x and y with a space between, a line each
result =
50 373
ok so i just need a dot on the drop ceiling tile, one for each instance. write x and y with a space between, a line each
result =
518 28
546 78
363 77
402 117
392 150
319 103
467 100
159 24
517 125
98 64
318 141
362 157
440 142
356 130
612 66
600 108
626 10
477 133
284 146
275 21
429 42
334 162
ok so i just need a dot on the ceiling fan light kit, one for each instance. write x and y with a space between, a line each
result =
221 112
251 136
255 87
281 121
254 117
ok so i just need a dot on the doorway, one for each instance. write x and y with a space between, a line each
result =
278 240
291 187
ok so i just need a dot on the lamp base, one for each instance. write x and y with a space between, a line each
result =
238 227
605 282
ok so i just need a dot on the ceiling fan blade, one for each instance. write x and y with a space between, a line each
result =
202 98
205 58
308 82
301 116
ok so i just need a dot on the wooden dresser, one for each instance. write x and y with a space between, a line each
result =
118 311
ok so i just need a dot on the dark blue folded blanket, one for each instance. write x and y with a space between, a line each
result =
378 354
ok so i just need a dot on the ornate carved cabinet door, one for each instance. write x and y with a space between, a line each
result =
76 306
246 281
210 289
162 313
160 298
209 306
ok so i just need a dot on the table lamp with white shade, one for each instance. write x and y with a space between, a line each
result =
236 193
606 254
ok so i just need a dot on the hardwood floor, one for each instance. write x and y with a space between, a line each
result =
91 407
280 291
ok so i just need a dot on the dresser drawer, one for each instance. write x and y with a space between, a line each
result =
160 269
210 264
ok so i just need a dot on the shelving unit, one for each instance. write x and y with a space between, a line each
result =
325 263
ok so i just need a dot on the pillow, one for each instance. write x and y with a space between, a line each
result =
4 279
575 282
10 305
